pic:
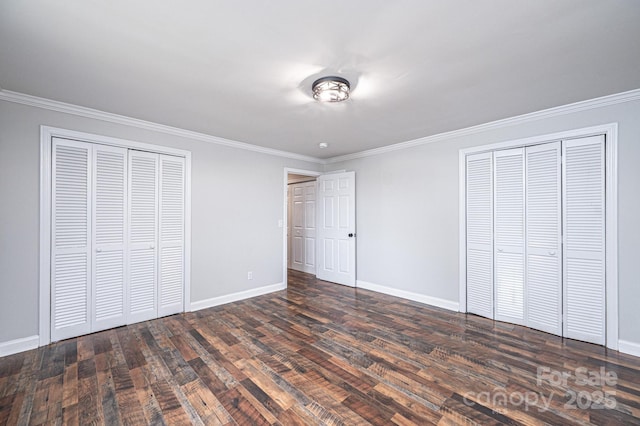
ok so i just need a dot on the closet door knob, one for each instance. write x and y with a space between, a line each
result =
99 250
552 253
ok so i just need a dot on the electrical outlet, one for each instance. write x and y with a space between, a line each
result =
249 275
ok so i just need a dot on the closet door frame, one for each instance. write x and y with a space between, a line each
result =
610 131
47 133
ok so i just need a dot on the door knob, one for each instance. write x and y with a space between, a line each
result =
552 253
351 235
99 250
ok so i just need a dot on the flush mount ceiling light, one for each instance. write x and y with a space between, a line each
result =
331 89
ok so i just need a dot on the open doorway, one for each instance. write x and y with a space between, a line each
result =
326 221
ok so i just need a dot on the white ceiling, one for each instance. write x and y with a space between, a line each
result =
243 69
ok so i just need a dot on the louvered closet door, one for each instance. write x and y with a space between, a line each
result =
509 235
171 253
143 236
71 239
479 204
109 234
584 231
543 235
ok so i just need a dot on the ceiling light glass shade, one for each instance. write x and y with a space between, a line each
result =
331 89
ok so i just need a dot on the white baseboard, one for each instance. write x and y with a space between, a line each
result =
416 297
19 345
234 297
630 348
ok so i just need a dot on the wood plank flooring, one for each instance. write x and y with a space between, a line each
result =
320 353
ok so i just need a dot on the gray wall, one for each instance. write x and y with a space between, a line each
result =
407 209
237 200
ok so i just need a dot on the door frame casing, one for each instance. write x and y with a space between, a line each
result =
47 133
610 131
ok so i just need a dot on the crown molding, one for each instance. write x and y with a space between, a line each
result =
48 104
618 98
21 98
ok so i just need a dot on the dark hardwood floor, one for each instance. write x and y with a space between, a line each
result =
320 353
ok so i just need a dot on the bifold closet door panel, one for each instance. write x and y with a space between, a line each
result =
584 232
143 236
109 234
171 235
543 287
70 239
479 233
508 222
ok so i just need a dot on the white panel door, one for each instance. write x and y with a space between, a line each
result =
509 219
479 212
171 235
584 238
543 287
109 235
310 227
71 239
297 226
303 227
336 231
142 236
